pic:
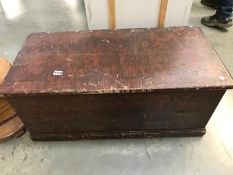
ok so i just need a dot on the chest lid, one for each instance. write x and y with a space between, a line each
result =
116 61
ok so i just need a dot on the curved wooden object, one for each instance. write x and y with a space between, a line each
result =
4 68
6 113
10 123
3 102
13 127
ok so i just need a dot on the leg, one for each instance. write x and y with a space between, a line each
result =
222 17
210 3
224 10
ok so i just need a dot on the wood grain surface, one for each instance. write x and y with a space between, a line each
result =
3 102
4 68
112 14
116 83
162 12
119 134
151 111
11 128
10 123
6 113
116 61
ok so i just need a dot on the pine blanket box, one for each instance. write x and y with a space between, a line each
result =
126 83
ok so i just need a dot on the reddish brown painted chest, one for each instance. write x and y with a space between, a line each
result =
116 83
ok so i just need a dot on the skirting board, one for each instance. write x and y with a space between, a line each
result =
119 135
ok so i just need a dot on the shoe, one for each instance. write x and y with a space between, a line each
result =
209 3
214 21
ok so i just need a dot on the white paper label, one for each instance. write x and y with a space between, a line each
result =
58 72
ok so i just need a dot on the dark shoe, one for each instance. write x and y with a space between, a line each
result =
210 3
214 21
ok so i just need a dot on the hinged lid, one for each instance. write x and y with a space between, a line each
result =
113 61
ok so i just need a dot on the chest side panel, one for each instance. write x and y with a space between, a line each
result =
117 112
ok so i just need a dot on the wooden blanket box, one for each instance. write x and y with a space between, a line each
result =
128 83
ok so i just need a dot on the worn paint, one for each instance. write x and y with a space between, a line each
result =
116 61
116 83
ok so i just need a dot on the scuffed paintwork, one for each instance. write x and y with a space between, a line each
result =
116 61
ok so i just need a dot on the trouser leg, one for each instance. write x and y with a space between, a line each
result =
225 8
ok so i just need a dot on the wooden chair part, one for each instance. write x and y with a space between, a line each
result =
11 128
10 123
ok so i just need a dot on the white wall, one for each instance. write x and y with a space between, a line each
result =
178 12
136 13
97 14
